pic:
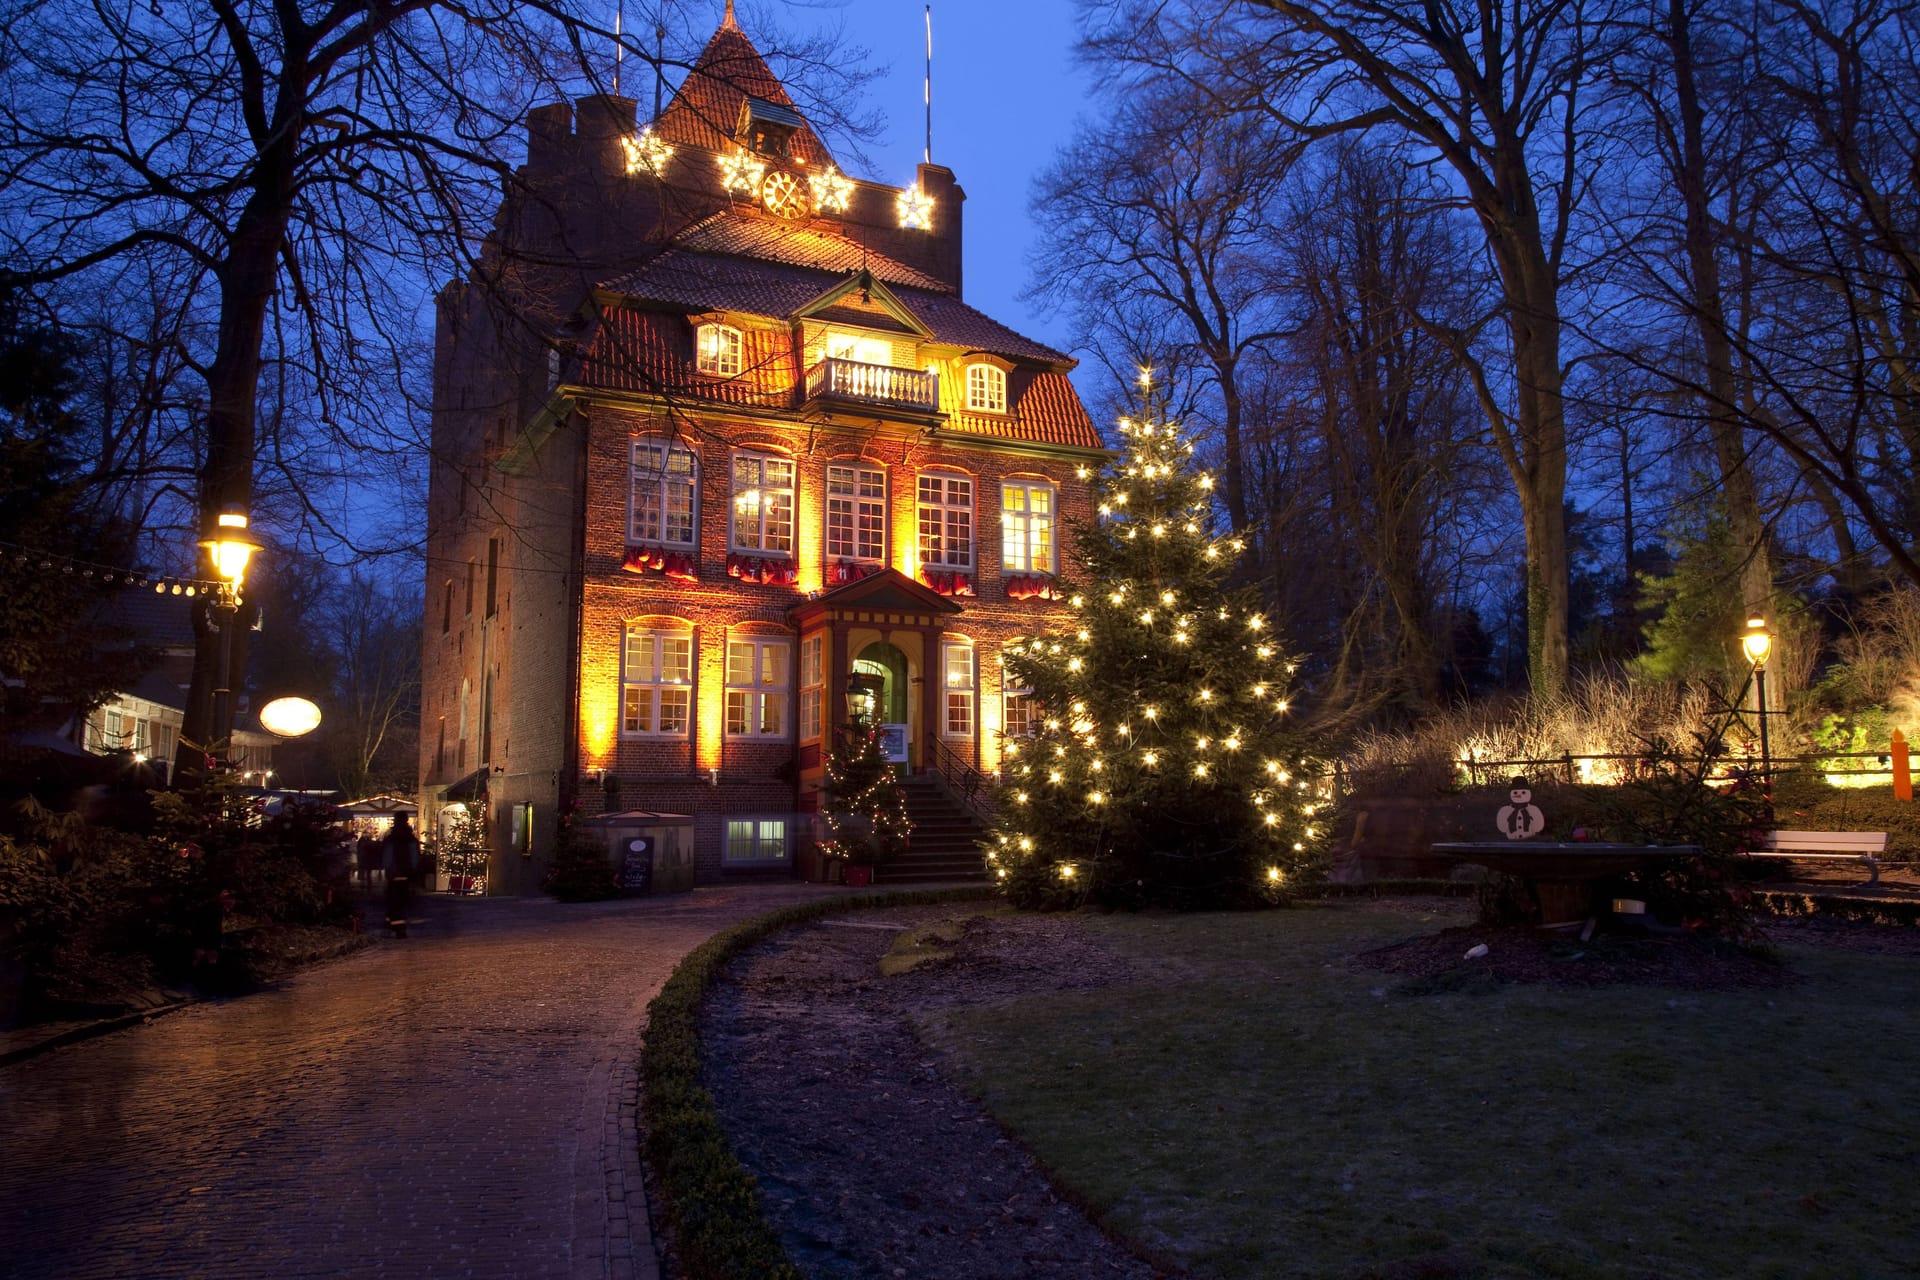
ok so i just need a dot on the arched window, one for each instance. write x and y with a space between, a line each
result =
1027 526
857 512
717 349
664 482
946 521
986 388
656 679
759 681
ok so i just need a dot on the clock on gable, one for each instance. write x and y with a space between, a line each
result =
784 195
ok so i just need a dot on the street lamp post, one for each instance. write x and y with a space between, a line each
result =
230 546
1757 645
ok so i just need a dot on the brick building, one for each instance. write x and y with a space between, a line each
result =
717 447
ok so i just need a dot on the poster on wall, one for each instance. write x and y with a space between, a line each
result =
893 743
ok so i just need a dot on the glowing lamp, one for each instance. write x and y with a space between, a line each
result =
1756 642
290 717
230 546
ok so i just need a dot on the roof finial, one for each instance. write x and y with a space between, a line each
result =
729 20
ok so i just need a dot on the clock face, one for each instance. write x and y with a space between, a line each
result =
783 195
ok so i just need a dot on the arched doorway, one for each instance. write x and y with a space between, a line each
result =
883 690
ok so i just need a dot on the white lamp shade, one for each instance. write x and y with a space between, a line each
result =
290 717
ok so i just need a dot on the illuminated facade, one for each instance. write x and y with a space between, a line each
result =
718 449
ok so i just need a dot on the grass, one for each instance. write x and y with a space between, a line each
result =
1257 1109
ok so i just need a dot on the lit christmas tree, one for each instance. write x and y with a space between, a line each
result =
863 803
1164 769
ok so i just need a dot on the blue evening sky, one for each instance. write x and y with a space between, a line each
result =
1005 93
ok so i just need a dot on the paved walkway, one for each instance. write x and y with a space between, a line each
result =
460 1103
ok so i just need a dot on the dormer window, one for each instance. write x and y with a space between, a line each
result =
767 128
718 350
986 389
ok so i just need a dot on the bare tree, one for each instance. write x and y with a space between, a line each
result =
1373 268
1161 205
293 174
376 696
1501 99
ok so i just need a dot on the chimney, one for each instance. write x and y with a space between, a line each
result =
603 119
937 181
549 136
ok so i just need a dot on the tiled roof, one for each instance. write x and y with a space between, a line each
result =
743 234
651 353
706 106
1047 412
737 271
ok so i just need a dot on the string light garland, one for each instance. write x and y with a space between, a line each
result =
106 574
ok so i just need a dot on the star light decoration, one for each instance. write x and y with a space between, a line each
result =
646 152
915 208
741 171
1164 690
832 192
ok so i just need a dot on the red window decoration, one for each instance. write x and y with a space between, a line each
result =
678 565
947 584
1033 587
769 572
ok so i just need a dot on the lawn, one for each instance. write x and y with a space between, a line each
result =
1254 1107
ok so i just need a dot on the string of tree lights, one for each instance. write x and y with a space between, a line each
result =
107 574
1164 765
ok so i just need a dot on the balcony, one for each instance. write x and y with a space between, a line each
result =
850 381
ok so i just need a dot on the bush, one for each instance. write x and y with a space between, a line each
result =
581 870
95 914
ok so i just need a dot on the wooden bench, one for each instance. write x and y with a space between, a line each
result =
1854 846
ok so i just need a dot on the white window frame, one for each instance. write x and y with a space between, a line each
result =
861 493
764 829
718 350
748 533
944 512
986 388
645 674
959 688
1010 694
652 486
813 688
761 692
1022 534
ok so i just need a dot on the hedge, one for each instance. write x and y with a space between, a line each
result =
710 1202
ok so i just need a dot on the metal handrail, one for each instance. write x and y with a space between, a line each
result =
964 781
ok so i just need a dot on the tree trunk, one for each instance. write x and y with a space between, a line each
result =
1738 495
246 279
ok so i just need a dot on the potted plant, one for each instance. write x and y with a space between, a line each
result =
864 806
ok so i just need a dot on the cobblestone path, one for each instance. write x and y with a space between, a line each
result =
460 1103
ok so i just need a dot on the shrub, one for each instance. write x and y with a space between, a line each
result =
581 870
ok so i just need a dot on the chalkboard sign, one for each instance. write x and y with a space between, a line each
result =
636 867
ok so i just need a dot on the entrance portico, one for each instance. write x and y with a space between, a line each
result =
876 639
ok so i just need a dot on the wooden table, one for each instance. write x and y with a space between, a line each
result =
1561 876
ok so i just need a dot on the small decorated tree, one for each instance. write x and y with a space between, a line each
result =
863 803
1164 768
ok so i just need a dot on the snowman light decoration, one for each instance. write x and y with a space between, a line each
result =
1522 818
